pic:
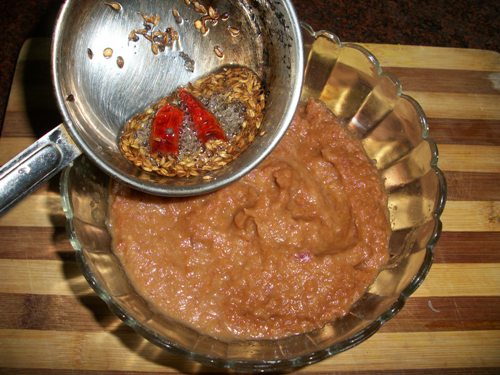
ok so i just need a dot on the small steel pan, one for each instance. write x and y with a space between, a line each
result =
101 78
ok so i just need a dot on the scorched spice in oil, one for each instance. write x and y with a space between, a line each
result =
199 128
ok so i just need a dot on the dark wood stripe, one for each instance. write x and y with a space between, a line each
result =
89 313
59 313
442 80
53 244
43 371
180 365
473 186
437 371
35 243
422 314
204 370
468 247
468 132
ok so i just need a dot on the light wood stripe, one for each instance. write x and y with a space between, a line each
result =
458 106
42 277
457 279
124 351
434 57
64 278
36 210
467 158
471 216
383 352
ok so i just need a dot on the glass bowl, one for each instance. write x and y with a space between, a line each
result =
394 132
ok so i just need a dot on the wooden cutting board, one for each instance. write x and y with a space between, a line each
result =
52 322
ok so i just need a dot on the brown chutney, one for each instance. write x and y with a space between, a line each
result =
287 248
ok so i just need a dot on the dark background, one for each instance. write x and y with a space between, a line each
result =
444 23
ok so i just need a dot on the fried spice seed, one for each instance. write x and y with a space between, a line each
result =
200 8
107 53
209 15
213 13
159 39
201 26
219 52
120 62
114 5
234 31
177 16
90 54
133 36
236 87
153 19
205 19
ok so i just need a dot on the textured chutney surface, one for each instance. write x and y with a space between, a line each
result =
287 248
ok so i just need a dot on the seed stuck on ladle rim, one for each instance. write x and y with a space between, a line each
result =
114 5
120 62
107 53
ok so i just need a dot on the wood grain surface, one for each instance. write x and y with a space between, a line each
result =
51 322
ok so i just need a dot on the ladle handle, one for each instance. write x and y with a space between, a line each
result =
35 165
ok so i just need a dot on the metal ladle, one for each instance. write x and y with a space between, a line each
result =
101 78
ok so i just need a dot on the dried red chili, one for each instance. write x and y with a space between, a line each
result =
165 132
206 125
